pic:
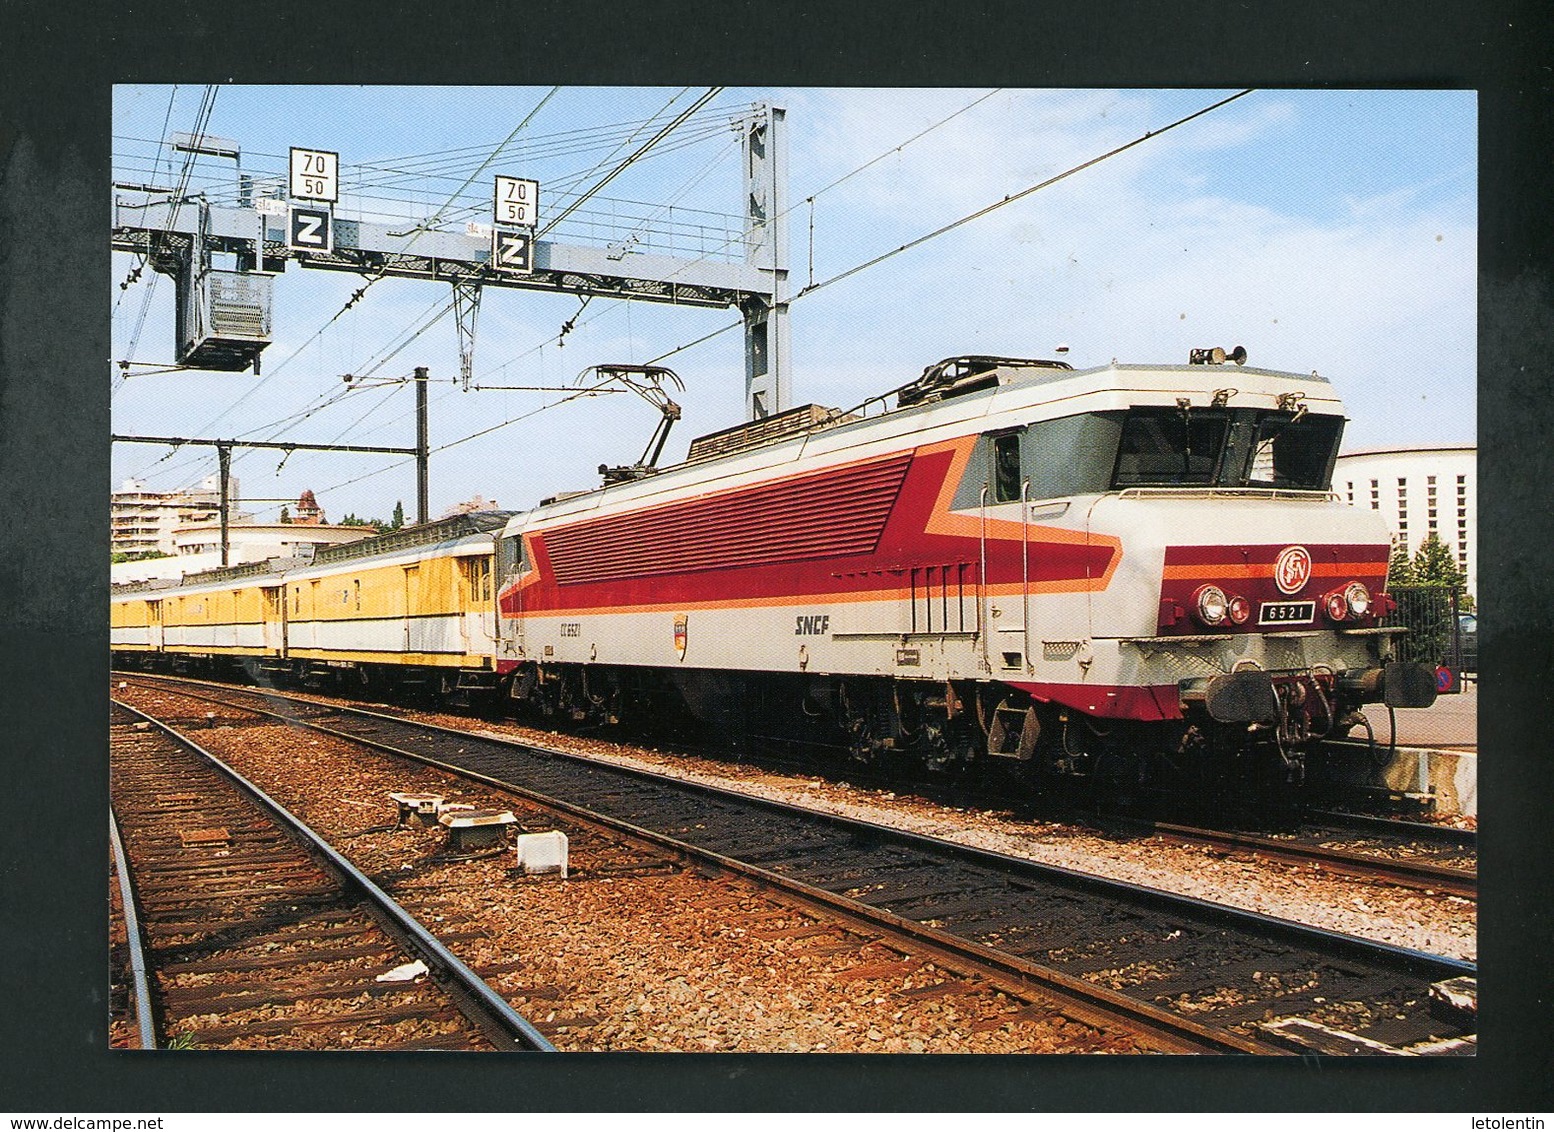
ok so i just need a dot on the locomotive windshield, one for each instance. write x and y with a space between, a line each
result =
1154 446
1170 447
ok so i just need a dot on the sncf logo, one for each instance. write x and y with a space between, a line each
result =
1292 570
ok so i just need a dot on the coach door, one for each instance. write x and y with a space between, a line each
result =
412 602
154 625
274 620
477 620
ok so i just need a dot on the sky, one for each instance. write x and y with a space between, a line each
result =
1323 230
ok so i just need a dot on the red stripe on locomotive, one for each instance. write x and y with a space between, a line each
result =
849 532
1248 571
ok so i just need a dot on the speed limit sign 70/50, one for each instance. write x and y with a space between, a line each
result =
315 175
517 202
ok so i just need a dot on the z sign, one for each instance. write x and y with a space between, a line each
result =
309 230
512 251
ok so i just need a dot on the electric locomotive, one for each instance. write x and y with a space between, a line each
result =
1082 572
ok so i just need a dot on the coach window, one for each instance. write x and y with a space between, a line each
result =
356 584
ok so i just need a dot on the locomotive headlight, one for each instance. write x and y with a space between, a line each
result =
1238 609
1337 606
1210 604
1358 599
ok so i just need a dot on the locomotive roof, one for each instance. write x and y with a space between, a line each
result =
954 382
950 378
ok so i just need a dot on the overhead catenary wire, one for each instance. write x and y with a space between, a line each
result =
624 165
369 177
1021 195
590 392
360 292
156 162
436 217
616 171
272 371
201 120
810 199
434 313
838 277
978 214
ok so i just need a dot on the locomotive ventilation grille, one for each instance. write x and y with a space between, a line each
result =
828 514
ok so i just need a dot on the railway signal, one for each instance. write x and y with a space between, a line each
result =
315 175
516 202
309 230
512 251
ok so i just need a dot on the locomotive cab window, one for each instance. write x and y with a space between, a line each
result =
1006 468
1295 451
1169 447
1164 446
1062 456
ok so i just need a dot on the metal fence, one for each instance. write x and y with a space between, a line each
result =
1435 633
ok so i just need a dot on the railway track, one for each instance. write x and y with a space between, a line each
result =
238 928
1391 855
867 955
1447 840
1259 982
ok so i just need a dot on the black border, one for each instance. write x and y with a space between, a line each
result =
54 344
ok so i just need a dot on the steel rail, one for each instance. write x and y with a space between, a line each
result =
140 984
1331 941
1423 831
459 979
1422 875
1439 966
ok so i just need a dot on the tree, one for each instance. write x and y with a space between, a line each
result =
399 515
285 514
1400 569
1434 565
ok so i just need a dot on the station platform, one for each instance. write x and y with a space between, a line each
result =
1437 753
1450 724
